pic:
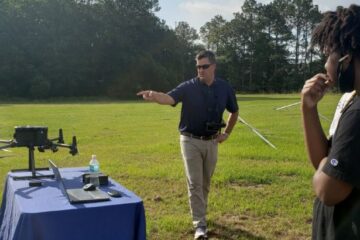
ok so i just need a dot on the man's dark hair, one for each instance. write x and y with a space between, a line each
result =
206 54
339 31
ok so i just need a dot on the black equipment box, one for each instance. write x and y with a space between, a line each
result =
103 179
30 136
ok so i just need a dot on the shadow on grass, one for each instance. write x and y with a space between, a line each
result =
259 98
219 231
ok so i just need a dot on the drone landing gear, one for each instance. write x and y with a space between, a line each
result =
33 170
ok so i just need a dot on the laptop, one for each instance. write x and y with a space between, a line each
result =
78 195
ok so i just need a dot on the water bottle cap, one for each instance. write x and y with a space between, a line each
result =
93 156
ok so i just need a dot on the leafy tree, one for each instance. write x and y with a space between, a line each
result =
187 37
212 33
265 46
61 48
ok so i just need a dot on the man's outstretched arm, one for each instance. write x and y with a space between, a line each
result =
158 97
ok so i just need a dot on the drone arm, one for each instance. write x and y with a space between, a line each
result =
73 146
7 146
63 145
60 139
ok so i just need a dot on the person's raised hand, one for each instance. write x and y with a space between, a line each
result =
314 89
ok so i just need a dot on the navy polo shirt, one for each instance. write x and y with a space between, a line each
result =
203 104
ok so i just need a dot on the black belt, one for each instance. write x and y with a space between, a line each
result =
205 138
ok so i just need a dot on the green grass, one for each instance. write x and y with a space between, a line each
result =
257 192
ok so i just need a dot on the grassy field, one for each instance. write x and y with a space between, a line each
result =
257 192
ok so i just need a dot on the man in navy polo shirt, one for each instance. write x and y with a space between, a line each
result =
204 100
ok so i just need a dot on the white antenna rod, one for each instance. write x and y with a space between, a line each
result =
256 132
287 106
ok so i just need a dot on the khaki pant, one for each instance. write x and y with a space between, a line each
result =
199 160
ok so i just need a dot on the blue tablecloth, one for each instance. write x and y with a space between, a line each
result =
44 213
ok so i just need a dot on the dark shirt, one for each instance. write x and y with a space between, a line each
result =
342 221
202 104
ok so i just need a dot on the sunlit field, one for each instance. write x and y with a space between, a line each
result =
257 192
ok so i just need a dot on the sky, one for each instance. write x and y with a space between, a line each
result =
197 12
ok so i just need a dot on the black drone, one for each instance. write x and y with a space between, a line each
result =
36 136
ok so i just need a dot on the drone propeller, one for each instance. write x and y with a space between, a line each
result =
60 139
73 148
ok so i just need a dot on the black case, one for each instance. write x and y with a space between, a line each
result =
103 179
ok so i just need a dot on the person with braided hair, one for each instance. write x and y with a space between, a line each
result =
336 182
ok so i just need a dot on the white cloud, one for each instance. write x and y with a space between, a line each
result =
209 8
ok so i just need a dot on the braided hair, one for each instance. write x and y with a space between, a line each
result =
339 31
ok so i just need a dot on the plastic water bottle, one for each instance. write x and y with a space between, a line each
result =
94 165
94 168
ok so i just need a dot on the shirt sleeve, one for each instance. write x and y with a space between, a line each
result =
231 103
344 158
178 93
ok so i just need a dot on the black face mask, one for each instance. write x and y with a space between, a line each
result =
346 78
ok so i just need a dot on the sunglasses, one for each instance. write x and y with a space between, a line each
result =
205 66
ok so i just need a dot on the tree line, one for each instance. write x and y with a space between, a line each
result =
114 48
